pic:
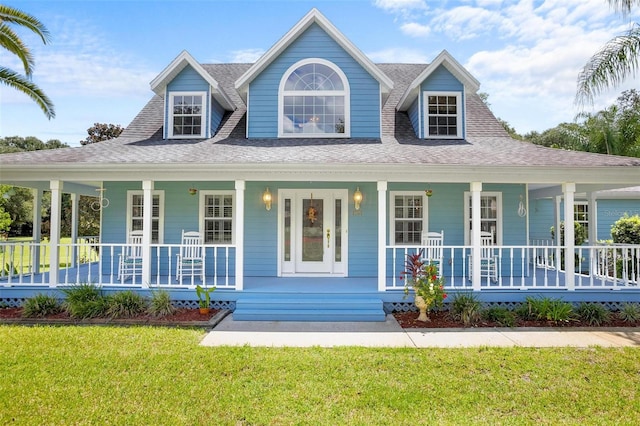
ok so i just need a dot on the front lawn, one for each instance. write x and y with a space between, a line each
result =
146 375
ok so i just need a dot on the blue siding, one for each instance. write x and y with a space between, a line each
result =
314 43
441 80
414 116
541 218
609 211
217 112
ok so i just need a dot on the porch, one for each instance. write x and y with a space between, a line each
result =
531 267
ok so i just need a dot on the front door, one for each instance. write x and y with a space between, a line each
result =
313 232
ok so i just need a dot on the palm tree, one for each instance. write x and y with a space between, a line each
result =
11 42
612 64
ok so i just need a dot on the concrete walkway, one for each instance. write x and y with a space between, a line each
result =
389 334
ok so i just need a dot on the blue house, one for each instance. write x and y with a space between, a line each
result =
306 178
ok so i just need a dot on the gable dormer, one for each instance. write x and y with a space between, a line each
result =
194 102
435 100
314 83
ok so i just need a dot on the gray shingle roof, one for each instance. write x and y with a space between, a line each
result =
487 143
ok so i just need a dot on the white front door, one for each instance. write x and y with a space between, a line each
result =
313 231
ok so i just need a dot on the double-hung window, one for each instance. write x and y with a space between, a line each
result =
314 101
135 213
187 115
216 216
443 115
409 217
490 215
581 214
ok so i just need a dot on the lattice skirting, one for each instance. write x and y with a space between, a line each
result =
390 307
190 304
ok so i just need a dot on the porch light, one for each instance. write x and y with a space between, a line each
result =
266 199
357 198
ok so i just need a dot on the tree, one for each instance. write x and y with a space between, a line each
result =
612 64
101 132
10 41
30 143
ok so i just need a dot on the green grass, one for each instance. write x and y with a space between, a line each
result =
22 255
146 375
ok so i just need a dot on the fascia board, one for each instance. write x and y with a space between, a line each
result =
314 16
470 83
159 84
621 177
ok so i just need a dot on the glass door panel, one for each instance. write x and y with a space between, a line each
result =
312 230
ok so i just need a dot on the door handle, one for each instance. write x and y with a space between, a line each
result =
328 237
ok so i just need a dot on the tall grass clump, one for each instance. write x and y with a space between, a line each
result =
630 312
126 304
85 301
41 305
160 304
546 309
593 313
466 307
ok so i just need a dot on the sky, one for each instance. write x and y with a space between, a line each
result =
103 54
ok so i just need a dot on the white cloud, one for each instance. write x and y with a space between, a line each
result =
526 54
400 6
399 56
246 56
413 29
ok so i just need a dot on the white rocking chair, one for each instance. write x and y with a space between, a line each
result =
433 252
488 258
130 262
190 261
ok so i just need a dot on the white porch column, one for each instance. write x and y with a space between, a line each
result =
36 232
476 250
74 228
592 217
54 231
569 190
147 224
382 235
239 225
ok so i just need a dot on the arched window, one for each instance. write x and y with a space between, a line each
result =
314 101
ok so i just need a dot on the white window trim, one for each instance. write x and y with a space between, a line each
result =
201 217
346 93
425 114
160 194
467 215
584 223
205 110
392 216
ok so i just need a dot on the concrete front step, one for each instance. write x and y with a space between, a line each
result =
306 308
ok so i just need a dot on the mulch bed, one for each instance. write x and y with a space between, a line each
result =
187 316
182 316
444 320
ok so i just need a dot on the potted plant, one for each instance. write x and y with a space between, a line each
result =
427 286
204 298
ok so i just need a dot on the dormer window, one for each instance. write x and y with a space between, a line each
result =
314 101
443 115
187 115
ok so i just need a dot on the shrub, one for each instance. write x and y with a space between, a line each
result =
160 304
630 312
593 313
85 301
126 304
503 316
40 306
546 309
626 230
466 307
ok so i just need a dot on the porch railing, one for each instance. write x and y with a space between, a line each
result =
89 261
529 267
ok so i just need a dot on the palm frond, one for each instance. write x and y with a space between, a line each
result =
18 17
17 81
10 41
610 66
